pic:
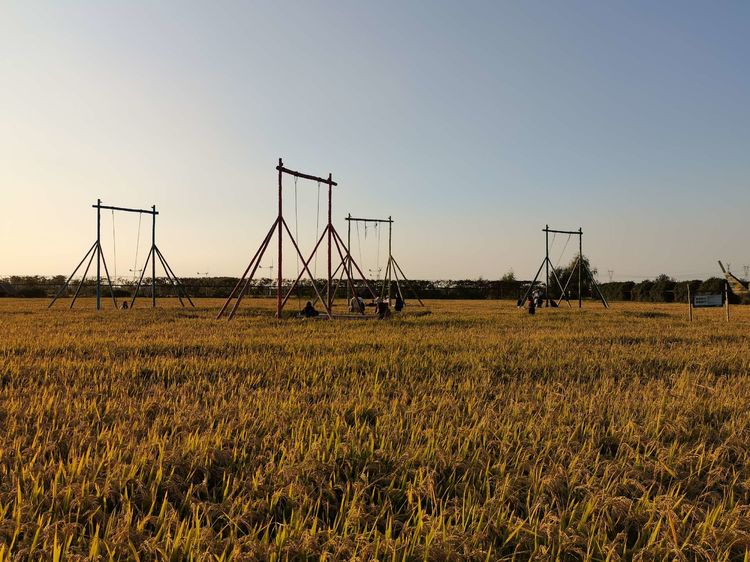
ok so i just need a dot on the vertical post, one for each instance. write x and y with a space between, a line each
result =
330 233
690 303
98 254
546 261
726 298
280 221
580 264
348 264
390 255
153 257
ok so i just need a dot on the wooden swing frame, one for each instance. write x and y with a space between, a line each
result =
96 250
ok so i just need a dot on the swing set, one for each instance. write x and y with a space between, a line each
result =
578 268
393 272
279 226
96 251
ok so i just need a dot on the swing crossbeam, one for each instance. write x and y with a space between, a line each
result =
284 170
125 209
359 219
571 232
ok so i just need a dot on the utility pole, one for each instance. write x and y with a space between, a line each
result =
205 276
270 274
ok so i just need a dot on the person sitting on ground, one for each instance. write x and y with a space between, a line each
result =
124 305
399 303
356 304
382 308
309 310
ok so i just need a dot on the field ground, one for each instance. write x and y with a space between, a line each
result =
476 432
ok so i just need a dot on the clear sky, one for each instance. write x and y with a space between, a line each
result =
471 123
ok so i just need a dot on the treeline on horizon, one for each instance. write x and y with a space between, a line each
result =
661 289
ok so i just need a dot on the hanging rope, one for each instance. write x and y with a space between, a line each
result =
114 246
557 265
377 259
296 236
359 246
137 245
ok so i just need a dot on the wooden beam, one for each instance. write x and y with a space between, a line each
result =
350 218
327 181
125 209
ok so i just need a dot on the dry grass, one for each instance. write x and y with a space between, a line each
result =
475 433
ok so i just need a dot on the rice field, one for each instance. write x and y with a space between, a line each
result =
476 432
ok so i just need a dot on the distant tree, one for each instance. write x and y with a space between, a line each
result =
508 276
681 289
564 274
662 289
618 290
642 291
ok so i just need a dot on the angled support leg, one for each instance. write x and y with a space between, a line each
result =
307 269
78 289
67 282
598 291
346 270
109 281
177 280
559 284
398 285
306 263
531 287
572 271
258 252
241 294
169 278
354 263
408 283
140 280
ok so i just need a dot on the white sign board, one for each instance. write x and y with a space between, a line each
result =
707 300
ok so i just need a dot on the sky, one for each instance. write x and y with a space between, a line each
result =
473 124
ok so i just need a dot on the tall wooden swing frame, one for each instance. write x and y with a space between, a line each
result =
578 268
96 250
280 226
393 269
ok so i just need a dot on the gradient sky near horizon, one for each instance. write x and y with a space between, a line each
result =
472 123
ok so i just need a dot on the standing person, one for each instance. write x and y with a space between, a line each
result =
532 305
538 300
399 303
